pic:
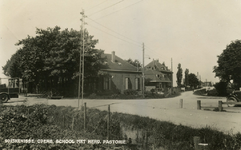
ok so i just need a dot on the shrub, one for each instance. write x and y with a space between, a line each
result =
92 96
130 92
152 91
108 92
212 92
149 94
200 92
221 88
44 122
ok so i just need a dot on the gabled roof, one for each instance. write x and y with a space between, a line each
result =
156 76
118 65
155 65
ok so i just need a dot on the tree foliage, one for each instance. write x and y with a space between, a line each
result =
179 75
135 62
186 77
229 64
52 58
193 80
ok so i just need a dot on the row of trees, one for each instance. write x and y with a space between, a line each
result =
52 59
189 80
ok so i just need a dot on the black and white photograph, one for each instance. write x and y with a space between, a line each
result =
120 75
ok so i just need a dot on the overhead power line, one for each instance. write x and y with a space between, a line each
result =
115 32
115 36
131 41
125 39
119 10
106 7
96 5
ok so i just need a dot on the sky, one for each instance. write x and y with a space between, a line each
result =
190 32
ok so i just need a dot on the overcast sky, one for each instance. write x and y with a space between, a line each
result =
190 32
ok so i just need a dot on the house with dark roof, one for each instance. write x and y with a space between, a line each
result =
117 75
158 75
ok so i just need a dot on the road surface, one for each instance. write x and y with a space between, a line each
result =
167 109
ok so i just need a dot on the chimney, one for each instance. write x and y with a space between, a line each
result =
113 56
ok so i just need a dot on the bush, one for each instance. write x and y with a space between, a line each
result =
130 92
200 92
92 96
175 137
108 92
212 92
44 122
149 94
52 122
152 91
221 88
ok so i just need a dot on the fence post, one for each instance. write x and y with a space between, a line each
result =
108 123
196 140
181 103
73 123
84 116
1 104
199 104
220 108
146 140
64 120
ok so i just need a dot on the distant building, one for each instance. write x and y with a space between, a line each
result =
158 75
206 83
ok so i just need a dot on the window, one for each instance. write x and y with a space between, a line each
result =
137 83
107 83
126 83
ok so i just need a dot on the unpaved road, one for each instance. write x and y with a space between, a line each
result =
228 121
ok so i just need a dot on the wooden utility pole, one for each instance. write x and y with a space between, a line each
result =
172 72
79 72
143 72
82 59
85 117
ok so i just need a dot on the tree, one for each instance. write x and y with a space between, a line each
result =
193 80
179 75
12 67
51 59
229 66
135 63
186 77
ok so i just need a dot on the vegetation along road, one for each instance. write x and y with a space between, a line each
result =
167 109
